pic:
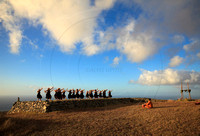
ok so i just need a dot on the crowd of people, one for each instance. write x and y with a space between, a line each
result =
73 93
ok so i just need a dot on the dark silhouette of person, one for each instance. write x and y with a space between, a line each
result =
77 94
59 94
48 93
100 94
69 94
73 94
104 93
63 94
109 94
82 95
95 93
91 94
39 96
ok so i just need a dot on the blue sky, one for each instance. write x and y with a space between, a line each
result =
135 48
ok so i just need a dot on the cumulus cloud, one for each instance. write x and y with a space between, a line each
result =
11 24
175 61
67 22
136 45
168 77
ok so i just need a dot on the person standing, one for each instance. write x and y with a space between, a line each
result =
63 94
82 95
39 96
109 94
48 93
95 93
69 93
104 93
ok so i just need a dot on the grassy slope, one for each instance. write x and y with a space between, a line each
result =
167 118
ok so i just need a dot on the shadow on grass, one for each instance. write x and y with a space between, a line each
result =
164 107
94 109
20 126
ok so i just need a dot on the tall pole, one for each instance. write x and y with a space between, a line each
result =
181 91
189 90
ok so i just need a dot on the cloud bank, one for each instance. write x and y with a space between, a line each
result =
168 77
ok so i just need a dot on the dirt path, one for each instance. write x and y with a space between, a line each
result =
166 118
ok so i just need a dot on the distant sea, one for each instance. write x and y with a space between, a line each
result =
6 102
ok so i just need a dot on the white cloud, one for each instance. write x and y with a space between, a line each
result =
116 60
175 61
168 77
137 46
15 41
67 22
104 4
10 23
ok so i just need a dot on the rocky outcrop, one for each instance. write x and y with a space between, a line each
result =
64 105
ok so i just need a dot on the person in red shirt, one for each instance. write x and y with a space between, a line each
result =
148 104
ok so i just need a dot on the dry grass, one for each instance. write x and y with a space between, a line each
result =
166 118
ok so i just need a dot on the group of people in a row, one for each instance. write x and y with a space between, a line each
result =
73 93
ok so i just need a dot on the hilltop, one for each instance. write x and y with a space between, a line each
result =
166 118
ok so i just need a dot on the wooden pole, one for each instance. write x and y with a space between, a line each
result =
181 91
189 90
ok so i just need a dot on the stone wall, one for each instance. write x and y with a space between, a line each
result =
64 105
29 106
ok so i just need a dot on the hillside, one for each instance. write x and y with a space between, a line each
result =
166 118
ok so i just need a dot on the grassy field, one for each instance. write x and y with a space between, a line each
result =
166 118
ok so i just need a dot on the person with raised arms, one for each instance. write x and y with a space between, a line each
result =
48 93
63 93
39 96
109 94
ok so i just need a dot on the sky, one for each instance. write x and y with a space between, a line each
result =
136 48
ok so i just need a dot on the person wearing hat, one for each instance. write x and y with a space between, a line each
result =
148 104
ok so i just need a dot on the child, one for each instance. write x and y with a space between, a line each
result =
148 104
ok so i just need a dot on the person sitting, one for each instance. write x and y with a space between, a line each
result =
148 104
